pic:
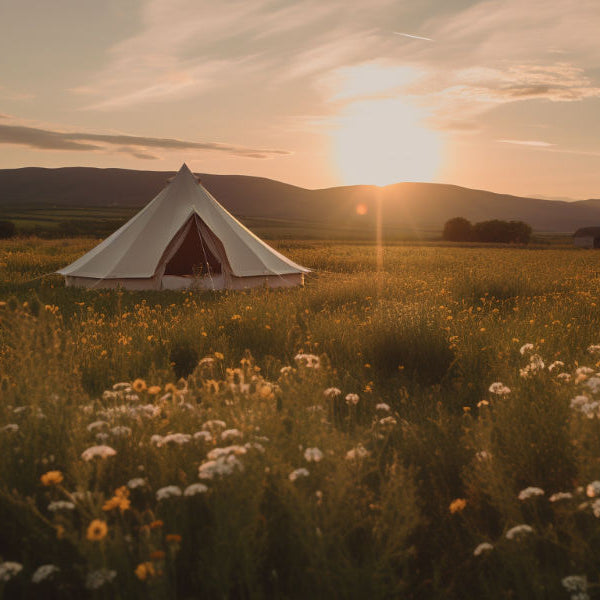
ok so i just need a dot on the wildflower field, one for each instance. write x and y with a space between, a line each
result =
429 430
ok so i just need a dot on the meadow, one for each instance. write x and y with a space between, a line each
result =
429 430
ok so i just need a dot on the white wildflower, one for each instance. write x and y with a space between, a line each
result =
44 572
499 389
98 452
149 411
555 365
122 386
229 434
169 491
357 453
575 583
102 437
310 361
10 428
255 446
388 421
313 455
109 395
530 492
298 473
60 505
578 402
223 465
594 349
593 384
205 436
483 547
136 482
591 409
536 362
9 569
557 496
383 407
596 508
564 377
216 453
582 373
525 348
332 392
352 399
286 370
121 431
96 579
195 488
517 531
178 439
96 425
593 489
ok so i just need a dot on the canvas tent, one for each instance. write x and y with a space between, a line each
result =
183 239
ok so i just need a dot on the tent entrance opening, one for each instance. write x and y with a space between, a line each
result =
193 258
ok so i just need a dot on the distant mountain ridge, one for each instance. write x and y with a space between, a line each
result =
404 205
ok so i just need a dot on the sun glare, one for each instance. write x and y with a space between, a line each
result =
381 142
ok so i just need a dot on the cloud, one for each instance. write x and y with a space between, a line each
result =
498 52
533 143
558 82
185 48
45 139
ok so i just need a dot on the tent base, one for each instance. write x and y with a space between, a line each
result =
174 282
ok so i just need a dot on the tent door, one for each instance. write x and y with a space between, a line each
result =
193 257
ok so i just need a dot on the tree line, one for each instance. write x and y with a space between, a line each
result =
460 229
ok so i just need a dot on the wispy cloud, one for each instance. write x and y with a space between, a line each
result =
185 48
533 143
415 37
138 146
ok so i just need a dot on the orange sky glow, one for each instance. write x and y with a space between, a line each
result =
492 94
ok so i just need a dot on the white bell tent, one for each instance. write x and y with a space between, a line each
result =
183 239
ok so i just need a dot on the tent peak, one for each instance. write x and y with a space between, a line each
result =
183 172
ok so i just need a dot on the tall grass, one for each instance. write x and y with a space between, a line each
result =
404 480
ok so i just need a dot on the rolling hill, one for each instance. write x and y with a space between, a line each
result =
405 206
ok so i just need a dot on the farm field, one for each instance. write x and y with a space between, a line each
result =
429 430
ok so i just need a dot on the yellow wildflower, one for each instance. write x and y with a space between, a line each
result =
144 570
457 505
97 530
120 500
219 355
153 390
139 385
51 478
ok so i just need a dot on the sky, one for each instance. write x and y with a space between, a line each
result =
502 95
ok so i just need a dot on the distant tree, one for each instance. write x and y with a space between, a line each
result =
491 231
7 229
502 231
458 229
520 232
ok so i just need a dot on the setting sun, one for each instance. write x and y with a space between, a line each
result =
384 141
